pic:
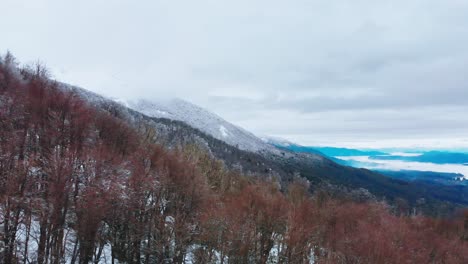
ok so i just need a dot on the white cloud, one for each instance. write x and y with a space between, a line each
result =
330 70
397 165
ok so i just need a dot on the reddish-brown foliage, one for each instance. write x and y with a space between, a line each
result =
80 184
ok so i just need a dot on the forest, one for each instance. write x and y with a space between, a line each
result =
79 185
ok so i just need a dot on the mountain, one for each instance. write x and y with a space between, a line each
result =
180 123
427 176
177 124
268 160
174 133
205 121
335 152
84 182
84 179
277 141
423 176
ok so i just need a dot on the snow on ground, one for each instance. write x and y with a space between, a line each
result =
122 102
223 130
197 117
193 115
278 141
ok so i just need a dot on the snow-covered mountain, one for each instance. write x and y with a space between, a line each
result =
277 141
194 125
202 119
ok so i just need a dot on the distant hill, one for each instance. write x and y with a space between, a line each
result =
335 152
427 176
202 119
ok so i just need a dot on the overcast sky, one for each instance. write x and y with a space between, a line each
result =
358 73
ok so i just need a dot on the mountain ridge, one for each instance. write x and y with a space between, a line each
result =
202 119
281 164
285 165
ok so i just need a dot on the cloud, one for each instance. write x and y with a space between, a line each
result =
296 69
398 165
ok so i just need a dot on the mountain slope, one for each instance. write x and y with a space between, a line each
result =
82 182
280 163
197 117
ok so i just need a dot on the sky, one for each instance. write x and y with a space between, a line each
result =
360 73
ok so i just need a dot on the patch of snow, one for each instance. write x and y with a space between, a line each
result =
164 113
170 219
223 130
192 115
106 254
121 101
277 141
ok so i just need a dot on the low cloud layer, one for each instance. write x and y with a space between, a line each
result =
310 71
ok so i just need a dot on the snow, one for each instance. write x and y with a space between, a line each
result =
107 254
121 101
162 112
223 130
277 141
192 115
202 119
